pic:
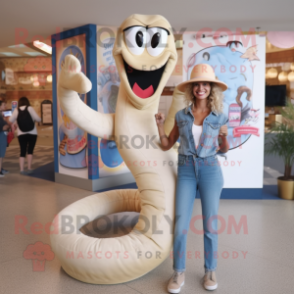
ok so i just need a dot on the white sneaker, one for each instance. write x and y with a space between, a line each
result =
176 282
209 281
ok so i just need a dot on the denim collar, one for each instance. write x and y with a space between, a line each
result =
189 108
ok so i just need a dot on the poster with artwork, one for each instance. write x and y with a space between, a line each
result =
109 160
46 113
239 61
72 141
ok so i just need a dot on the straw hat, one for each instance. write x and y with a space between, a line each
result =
202 73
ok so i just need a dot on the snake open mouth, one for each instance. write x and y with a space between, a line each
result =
143 83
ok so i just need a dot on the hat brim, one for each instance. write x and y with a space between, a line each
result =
182 86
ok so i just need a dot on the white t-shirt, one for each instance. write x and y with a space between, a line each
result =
34 116
196 131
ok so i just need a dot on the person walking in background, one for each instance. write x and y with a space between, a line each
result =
4 127
26 116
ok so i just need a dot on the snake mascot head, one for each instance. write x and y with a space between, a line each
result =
145 56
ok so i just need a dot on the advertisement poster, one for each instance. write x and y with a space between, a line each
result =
239 61
47 113
72 141
13 105
110 161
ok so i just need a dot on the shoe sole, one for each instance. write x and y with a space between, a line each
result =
210 287
175 290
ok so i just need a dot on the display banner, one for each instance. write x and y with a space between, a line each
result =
13 105
239 61
72 154
76 152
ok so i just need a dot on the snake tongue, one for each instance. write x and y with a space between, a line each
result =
143 93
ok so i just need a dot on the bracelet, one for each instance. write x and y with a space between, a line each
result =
163 136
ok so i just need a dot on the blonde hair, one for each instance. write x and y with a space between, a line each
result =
214 100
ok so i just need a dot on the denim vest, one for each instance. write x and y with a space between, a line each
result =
208 142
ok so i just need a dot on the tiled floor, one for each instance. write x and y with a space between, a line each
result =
264 262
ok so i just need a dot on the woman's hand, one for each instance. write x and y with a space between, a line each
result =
223 130
160 118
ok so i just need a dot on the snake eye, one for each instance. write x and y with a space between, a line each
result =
135 38
139 38
156 41
206 56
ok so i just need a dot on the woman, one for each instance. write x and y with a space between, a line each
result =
199 127
26 116
4 127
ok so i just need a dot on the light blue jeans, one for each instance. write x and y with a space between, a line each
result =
205 175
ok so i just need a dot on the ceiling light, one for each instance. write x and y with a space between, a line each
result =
267 74
291 76
36 84
10 54
272 73
35 54
42 46
17 46
283 77
49 78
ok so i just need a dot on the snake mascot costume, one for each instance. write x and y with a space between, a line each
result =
145 56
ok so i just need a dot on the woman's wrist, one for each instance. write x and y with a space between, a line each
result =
160 126
163 139
161 131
